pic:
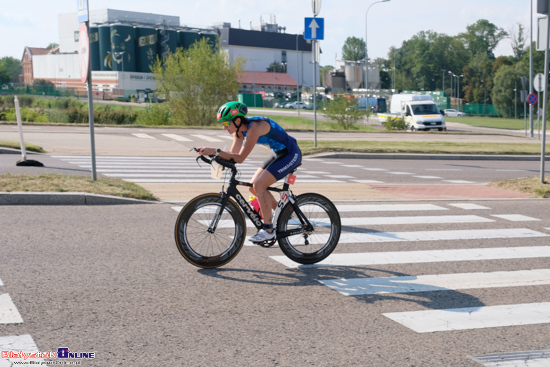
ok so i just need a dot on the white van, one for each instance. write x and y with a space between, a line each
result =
419 111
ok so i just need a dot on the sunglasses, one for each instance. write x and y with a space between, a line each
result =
226 123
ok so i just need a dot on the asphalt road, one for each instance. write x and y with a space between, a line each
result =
109 280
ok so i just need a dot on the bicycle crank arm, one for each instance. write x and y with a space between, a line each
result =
293 232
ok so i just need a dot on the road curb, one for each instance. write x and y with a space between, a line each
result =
464 157
65 198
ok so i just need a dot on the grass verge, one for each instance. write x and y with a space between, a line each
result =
434 147
67 183
529 185
15 145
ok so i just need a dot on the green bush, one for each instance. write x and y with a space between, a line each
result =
107 115
77 115
154 115
396 123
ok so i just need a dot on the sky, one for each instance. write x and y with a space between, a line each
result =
34 22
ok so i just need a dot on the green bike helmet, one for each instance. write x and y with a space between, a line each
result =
230 110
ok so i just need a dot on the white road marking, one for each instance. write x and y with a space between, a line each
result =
19 343
381 237
438 282
429 177
388 207
515 217
352 166
468 206
375 169
339 176
366 221
458 181
473 317
144 136
207 138
529 358
368 181
400 173
8 311
177 137
430 256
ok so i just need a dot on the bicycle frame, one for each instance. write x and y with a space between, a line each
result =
286 196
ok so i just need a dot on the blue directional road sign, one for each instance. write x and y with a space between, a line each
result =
314 29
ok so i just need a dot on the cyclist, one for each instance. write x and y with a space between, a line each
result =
258 130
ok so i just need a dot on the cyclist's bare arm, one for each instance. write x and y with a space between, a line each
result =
252 135
237 143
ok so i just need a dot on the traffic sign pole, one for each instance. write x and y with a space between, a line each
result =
314 31
83 17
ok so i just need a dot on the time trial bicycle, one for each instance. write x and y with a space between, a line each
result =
211 228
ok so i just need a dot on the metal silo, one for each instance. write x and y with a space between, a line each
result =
187 38
354 76
167 41
211 38
123 51
94 49
146 53
105 62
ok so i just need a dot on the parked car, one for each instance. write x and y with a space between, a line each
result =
451 112
298 105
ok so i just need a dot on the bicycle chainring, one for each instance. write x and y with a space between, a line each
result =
267 243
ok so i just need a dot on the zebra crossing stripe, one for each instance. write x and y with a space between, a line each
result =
144 136
529 358
207 138
380 237
438 282
515 217
430 256
388 207
473 317
361 221
8 311
468 206
176 137
19 343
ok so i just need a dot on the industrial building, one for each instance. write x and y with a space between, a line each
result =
123 45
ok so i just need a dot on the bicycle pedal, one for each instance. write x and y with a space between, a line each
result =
265 244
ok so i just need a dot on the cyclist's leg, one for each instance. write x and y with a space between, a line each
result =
273 202
266 199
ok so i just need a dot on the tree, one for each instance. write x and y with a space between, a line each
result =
421 61
504 84
344 111
276 67
12 67
518 41
354 49
4 76
196 81
482 37
52 45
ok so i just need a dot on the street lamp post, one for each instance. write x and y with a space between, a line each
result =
458 91
366 49
452 90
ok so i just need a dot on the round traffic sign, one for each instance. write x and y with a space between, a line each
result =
83 52
538 82
532 98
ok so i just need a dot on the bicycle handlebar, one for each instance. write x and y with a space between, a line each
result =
223 162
